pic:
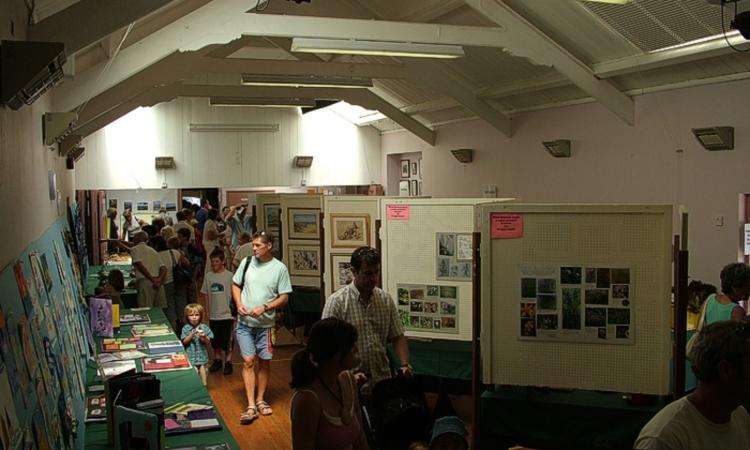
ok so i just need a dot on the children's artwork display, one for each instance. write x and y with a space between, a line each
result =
453 256
576 303
100 314
428 307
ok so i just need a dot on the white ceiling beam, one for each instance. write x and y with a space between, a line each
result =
431 11
523 86
691 51
286 43
438 104
521 38
434 75
88 21
369 100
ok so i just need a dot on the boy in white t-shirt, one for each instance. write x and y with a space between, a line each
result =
217 287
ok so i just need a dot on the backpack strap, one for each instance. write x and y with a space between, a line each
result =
244 272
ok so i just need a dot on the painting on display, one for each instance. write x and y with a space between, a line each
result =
428 307
170 206
304 260
112 203
142 206
403 188
272 217
405 169
350 230
304 223
127 205
453 256
576 303
156 205
341 271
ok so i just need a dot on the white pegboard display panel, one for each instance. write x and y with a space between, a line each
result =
596 236
296 243
410 253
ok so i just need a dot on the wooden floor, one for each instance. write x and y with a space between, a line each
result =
274 432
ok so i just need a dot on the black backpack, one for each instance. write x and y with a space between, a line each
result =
232 304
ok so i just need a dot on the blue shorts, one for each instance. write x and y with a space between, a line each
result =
255 341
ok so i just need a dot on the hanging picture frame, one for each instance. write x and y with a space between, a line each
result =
350 230
304 223
341 271
272 218
405 169
304 260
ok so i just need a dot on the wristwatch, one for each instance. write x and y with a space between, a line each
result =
265 307
406 366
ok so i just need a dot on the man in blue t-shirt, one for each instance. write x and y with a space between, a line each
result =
260 286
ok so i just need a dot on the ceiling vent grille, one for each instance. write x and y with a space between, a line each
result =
655 24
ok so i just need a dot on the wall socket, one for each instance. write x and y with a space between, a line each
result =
719 221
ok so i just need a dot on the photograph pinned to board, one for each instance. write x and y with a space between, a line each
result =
405 170
453 261
403 188
341 271
304 260
112 203
428 307
142 206
304 223
350 230
576 303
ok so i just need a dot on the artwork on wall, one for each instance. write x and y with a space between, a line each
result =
403 188
341 271
428 307
414 169
170 206
414 188
112 203
157 205
419 163
127 205
405 169
304 260
304 223
576 303
272 218
453 256
350 230
142 206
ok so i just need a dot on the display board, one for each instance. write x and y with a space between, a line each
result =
349 222
411 232
576 296
300 230
144 203
43 345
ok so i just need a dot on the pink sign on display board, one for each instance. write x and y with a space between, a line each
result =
506 225
397 212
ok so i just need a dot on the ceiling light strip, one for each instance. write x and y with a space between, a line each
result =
376 48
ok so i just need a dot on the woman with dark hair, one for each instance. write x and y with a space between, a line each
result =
735 287
325 409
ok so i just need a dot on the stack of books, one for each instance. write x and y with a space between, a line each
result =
156 329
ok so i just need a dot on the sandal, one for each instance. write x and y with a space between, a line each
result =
264 408
250 414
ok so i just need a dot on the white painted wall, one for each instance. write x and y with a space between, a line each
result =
121 156
611 163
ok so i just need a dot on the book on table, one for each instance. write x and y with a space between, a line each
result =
190 418
130 390
113 368
154 329
135 428
170 346
134 319
122 344
96 408
165 362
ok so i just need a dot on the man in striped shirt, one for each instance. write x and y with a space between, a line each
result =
373 312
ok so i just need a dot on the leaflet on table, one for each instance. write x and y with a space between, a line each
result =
170 346
122 344
160 329
166 362
134 319
119 356
110 369
96 408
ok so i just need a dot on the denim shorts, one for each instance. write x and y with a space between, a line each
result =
255 341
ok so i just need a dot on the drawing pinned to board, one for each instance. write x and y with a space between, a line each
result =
428 307
304 223
576 303
453 260
350 230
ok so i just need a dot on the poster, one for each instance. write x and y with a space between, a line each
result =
10 437
577 303
453 259
428 307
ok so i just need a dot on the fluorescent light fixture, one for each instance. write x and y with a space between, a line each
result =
305 81
224 127
376 48
261 101
559 148
715 138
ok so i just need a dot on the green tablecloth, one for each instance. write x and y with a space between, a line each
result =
440 358
128 296
176 386
551 419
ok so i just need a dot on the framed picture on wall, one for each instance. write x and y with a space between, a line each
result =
419 164
303 260
127 205
272 218
414 169
403 188
304 223
414 188
157 205
112 203
405 168
341 271
170 206
350 230
142 206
